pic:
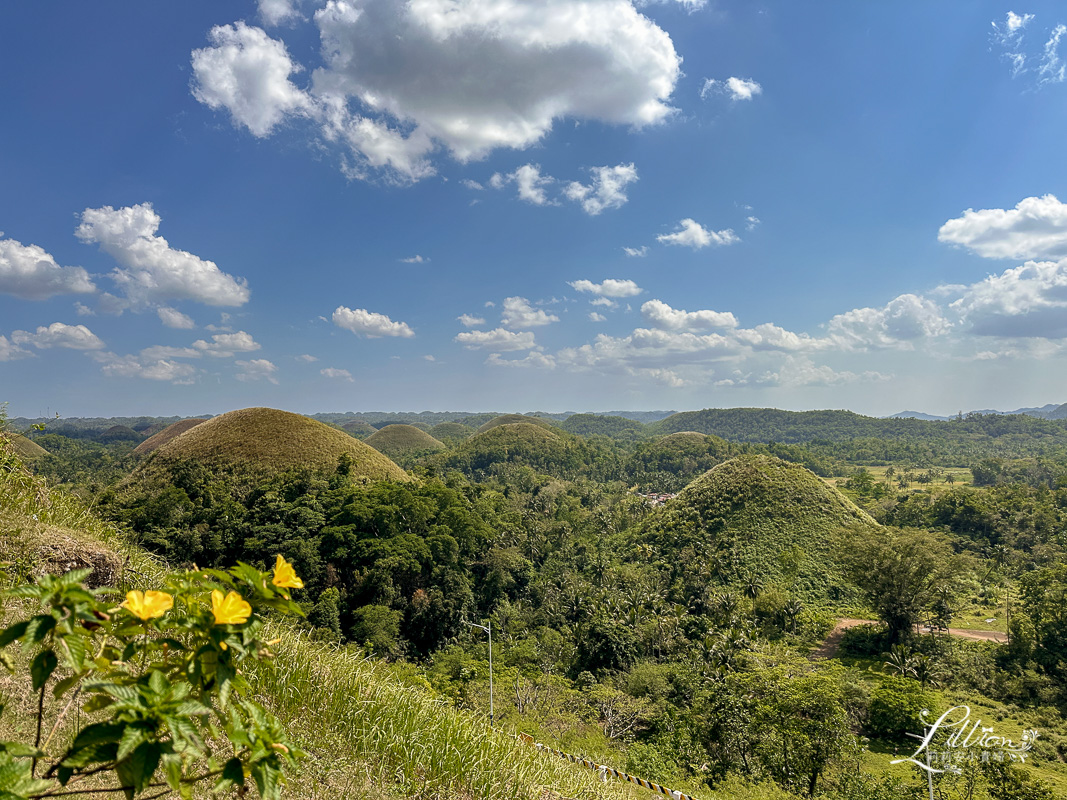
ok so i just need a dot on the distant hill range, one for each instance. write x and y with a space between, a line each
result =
1050 411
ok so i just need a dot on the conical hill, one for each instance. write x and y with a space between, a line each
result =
399 440
256 442
157 440
760 517
513 419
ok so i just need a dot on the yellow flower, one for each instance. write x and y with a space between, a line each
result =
146 605
285 575
229 609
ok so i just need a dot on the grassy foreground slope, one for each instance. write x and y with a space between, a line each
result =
761 517
368 734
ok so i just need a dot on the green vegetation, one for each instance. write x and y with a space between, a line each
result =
452 432
513 419
679 638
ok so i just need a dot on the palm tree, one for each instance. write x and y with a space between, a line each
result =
792 610
900 661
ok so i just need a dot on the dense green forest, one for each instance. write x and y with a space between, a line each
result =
659 593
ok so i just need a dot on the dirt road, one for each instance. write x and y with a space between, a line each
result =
828 649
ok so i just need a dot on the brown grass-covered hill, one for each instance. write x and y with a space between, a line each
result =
400 440
452 432
759 516
157 440
539 446
26 449
251 443
119 433
512 419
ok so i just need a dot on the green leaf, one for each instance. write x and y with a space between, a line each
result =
39 627
72 647
21 750
74 577
143 763
42 667
65 685
233 774
266 777
13 632
131 739
97 753
173 766
99 732
124 772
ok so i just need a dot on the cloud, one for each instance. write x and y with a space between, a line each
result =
415 260
9 351
530 182
474 185
1035 228
255 370
369 323
429 358
29 273
72 337
904 320
470 321
159 351
636 252
153 369
403 79
247 73
604 301
499 339
337 374
307 358
736 88
608 288
518 313
751 223
797 371
663 316
226 345
275 12
150 271
173 318
691 234
1026 301
539 360
1052 69
595 317
607 190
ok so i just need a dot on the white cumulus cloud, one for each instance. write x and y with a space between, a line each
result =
518 314
58 334
370 323
1035 228
1025 301
636 252
690 233
255 370
901 322
9 351
735 88
173 318
533 359
663 316
150 270
226 345
470 321
499 339
275 12
337 374
146 367
608 288
607 189
30 273
595 317
531 184
247 73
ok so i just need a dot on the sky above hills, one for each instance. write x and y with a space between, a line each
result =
541 204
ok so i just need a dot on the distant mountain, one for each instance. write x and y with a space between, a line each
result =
1049 411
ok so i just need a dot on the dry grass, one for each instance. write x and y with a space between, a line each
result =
512 419
26 449
254 442
157 440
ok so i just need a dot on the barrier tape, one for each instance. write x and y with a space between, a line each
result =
605 771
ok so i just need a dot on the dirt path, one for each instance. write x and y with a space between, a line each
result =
829 647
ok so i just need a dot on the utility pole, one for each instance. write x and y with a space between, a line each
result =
488 629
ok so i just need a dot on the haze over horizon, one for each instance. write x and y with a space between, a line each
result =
553 205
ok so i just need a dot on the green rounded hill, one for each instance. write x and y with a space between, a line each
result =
514 419
452 432
399 440
359 429
603 425
759 516
255 442
157 440
522 442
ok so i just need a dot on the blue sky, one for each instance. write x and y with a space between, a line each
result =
514 205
